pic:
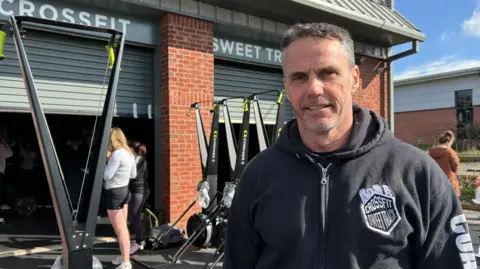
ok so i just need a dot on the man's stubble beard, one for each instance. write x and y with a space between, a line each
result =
318 129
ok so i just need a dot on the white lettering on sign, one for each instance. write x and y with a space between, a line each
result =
47 11
3 11
245 50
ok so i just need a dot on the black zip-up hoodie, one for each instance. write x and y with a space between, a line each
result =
376 203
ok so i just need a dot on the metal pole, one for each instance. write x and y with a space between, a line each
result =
280 117
76 245
263 142
62 210
103 135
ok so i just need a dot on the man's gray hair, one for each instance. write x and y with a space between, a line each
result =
320 30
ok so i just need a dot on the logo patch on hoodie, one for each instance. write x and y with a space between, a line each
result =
379 209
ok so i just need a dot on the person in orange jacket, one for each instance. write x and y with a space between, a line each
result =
447 158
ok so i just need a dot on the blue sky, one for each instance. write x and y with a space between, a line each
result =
452 30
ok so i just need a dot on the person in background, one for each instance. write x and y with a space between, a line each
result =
447 158
120 168
140 192
5 153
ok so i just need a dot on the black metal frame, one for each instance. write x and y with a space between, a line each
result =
241 163
242 151
77 245
243 143
215 208
263 141
216 257
211 173
208 161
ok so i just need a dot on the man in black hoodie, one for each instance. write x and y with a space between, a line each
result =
337 190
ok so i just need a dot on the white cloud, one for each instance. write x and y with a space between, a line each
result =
471 26
445 64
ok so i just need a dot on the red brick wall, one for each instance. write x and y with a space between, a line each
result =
424 125
427 125
186 65
373 93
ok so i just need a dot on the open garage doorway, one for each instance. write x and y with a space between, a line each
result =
25 175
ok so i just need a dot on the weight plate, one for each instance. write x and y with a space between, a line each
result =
193 223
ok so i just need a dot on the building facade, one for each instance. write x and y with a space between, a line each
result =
428 105
183 51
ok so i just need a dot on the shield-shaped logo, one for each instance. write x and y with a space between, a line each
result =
379 209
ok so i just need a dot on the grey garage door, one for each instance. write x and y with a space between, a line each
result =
69 72
237 80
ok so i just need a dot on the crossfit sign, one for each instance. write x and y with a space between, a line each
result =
135 30
379 209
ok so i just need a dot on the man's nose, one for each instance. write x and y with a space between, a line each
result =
315 86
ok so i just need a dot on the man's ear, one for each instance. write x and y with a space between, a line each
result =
355 78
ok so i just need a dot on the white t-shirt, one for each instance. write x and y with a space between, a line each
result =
120 168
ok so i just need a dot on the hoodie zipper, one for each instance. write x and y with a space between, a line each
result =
323 209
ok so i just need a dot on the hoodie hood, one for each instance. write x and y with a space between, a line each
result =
438 152
369 131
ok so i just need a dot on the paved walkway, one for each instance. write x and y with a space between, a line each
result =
107 251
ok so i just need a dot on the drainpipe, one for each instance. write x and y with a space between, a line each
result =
390 84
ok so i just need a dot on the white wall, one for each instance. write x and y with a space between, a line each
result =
434 94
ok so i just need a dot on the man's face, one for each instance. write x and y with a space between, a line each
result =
319 82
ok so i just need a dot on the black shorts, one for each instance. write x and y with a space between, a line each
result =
117 197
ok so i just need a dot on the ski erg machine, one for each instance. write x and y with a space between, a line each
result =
209 167
219 238
208 228
77 244
202 226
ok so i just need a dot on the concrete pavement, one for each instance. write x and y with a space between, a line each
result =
105 253
192 259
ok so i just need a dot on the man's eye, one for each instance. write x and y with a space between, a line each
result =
329 72
298 77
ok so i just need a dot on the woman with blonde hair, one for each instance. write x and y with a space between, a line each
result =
120 168
447 158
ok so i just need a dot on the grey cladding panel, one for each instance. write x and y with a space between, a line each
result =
237 80
69 73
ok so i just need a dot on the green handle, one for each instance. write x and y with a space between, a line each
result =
280 96
245 105
111 55
3 37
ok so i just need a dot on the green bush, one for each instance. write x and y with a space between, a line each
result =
467 193
422 146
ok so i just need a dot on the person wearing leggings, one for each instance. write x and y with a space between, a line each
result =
139 195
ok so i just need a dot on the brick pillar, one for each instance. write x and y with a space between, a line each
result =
373 92
187 70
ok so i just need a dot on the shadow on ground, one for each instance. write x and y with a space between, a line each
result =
106 252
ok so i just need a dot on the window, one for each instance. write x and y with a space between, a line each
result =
464 109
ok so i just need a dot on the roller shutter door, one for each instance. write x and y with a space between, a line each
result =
237 80
69 72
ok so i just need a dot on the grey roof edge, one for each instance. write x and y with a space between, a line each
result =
438 76
416 35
